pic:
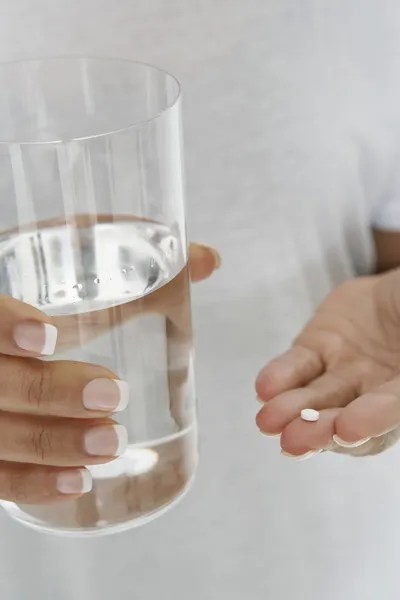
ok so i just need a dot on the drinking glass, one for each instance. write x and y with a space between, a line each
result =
93 234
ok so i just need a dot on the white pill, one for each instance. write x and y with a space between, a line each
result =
309 414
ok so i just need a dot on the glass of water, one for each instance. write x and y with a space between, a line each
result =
93 234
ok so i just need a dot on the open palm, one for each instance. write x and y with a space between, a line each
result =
346 365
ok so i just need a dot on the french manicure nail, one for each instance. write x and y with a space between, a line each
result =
217 258
78 481
269 434
36 337
299 457
109 395
106 440
345 444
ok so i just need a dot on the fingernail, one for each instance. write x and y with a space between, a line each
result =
39 338
78 481
217 258
269 434
259 400
109 395
299 457
106 441
345 444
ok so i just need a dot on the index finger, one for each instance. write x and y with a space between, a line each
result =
25 330
293 369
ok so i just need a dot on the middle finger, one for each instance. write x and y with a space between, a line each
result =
59 388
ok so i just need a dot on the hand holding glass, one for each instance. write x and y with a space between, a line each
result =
93 235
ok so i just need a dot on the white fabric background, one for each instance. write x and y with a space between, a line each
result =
290 126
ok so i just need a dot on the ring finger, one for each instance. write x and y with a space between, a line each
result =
59 388
59 442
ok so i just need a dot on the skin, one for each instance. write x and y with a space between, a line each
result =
43 421
345 364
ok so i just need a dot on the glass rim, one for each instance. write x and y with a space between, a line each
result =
99 58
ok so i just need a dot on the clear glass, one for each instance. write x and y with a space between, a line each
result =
93 233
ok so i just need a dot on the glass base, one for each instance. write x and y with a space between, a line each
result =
29 521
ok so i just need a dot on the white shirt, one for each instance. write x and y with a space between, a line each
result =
291 125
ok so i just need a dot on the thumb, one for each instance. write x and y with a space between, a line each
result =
203 261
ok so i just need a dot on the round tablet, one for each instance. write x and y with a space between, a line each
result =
309 414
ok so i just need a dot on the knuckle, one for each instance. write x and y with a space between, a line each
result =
17 488
40 443
37 385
